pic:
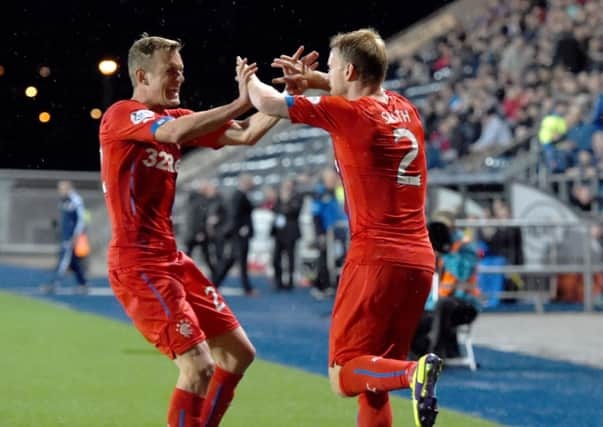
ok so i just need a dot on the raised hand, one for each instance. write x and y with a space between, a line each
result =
296 70
243 72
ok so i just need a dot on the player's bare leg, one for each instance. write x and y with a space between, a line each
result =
233 353
334 380
196 369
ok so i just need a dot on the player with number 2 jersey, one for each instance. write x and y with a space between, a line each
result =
380 155
378 141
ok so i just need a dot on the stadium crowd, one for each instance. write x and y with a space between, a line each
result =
524 70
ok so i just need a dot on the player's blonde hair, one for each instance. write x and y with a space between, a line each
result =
142 50
365 49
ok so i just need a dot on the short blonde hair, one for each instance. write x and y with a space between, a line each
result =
365 49
141 52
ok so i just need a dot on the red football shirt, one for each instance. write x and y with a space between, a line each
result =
139 181
380 151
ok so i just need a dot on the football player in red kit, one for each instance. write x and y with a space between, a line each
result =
167 297
379 149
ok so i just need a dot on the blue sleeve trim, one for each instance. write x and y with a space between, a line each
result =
290 100
160 122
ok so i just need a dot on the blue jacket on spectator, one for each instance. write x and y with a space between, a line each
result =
72 216
598 113
581 135
326 209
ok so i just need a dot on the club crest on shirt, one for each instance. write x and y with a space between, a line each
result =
184 328
141 116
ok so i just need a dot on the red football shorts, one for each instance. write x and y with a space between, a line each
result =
377 310
172 304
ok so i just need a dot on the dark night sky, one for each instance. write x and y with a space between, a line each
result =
72 36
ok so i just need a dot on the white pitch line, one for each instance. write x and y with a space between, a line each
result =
104 291
95 291
231 292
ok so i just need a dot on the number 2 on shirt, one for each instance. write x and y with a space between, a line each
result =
403 177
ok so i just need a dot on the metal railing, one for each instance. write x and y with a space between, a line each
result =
583 263
29 207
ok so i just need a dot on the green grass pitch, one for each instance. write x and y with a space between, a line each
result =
64 368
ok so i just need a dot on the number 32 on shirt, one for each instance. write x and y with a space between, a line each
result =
161 160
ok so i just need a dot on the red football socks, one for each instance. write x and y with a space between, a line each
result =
374 410
185 409
219 395
374 374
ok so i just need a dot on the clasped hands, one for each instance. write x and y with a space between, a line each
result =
296 70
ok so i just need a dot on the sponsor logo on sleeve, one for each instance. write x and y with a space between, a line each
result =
141 116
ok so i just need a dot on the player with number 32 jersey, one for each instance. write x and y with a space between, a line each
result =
170 301
139 181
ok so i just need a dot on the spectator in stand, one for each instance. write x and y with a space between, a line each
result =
205 216
496 133
432 153
286 232
597 118
326 212
505 242
270 196
579 131
595 54
532 50
439 145
513 103
582 197
552 129
456 301
584 166
304 185
239 233
195 217
516 57
215 221
597 149
569 52
72 225
444 57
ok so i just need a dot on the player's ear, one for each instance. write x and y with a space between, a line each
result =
141 77
350 72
